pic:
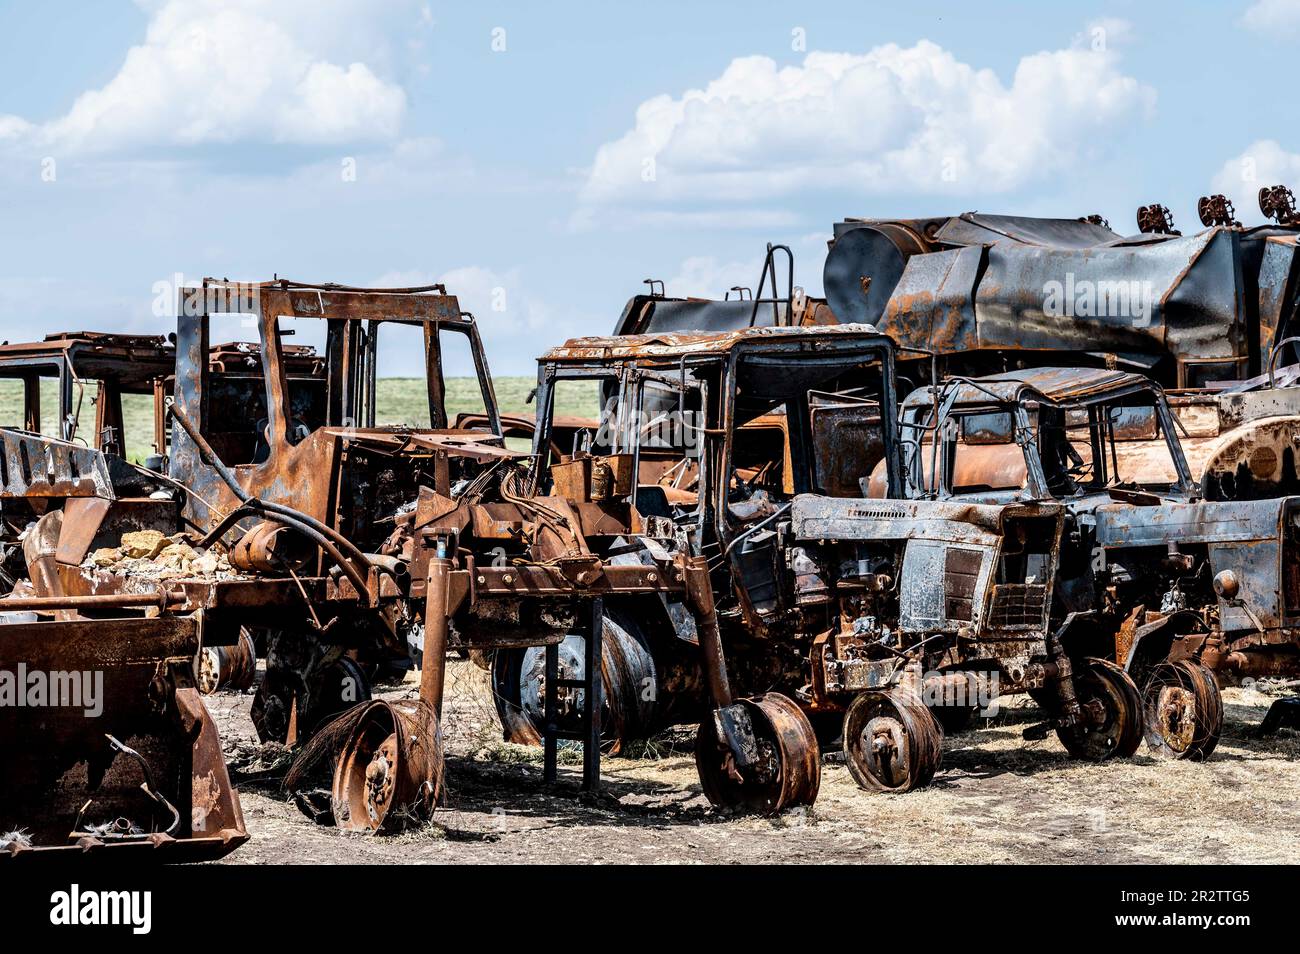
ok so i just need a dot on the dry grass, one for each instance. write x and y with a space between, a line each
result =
998 799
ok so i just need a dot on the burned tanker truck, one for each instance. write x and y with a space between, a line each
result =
992 293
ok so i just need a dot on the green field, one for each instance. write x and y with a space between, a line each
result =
399 401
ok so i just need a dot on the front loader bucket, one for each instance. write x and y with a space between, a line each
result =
106 743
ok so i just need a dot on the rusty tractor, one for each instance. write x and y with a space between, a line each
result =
107 741
1146 573
978 585
726 433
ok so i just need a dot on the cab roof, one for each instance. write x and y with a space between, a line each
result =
283 298
682 344
133 361
1053 385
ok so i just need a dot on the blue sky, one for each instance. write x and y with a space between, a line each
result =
543 159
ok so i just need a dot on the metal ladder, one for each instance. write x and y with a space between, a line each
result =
593 691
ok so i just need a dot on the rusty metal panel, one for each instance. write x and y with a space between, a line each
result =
823 518
1239 521
1257 565
1276 284
933 305
36 466
924 603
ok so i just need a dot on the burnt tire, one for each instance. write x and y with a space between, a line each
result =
336 689
892 743
1119 733
787 775
630 686
1182 713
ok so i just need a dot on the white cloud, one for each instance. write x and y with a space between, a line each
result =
1262 163
1272 17
220 72
893 118
13 127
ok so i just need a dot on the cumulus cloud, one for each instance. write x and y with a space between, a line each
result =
13 127
210 71
1262 163
914 118
1272 17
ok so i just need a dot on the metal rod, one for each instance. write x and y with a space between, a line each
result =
433 664
97 600
549 729
595 697
699 592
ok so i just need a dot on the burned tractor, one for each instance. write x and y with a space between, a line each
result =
107 742
1146 574
288 453
722 435
993 588
636 523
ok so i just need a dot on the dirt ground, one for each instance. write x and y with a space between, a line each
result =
997 798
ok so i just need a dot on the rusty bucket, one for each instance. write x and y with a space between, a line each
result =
123 755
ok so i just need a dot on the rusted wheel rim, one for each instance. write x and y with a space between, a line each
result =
788 772
389 772
891 741
1104 687
1182 711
